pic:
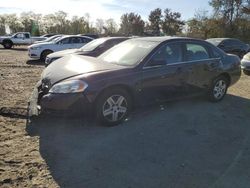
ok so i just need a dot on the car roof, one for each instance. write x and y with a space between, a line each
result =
109 38
221 39
66 36
164 38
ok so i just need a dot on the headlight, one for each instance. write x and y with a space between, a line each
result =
72 86
35 48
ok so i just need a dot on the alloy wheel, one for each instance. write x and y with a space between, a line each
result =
114 108
219 89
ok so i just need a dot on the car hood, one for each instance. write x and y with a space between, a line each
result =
74 65
40 44
4 37
62 53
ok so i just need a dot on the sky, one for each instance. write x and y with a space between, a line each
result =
104 9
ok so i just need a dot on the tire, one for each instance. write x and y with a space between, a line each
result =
246 72
218 89
44 54
113 106
7 44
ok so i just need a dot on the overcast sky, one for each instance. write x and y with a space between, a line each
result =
103 8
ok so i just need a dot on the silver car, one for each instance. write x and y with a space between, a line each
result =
245 64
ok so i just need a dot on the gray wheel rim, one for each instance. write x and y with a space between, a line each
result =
114 108
219 89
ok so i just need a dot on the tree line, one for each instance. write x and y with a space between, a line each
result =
230 18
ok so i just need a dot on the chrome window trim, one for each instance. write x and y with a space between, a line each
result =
183 62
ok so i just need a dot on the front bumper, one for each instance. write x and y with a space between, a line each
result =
33 53
58 104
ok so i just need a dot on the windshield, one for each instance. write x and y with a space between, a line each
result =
128 53
93 44
53 38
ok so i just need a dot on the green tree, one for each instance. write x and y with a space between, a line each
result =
172 23
2 24
131 24
155 21
111 26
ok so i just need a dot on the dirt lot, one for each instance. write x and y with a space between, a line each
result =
181 144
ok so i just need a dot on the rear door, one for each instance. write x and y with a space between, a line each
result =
27 39
165 74
203 65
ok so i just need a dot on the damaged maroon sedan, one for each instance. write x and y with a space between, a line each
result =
138 69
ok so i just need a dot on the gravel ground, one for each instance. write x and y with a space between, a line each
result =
181 144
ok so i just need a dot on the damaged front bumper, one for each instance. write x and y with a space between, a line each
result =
33 108
71 104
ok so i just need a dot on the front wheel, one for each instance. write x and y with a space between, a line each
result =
218 89
7 45
44 54
113 106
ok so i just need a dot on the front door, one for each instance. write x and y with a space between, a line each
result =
165 74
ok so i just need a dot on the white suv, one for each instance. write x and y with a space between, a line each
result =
41 50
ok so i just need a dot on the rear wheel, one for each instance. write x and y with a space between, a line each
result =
44 54
7 44
218 89
113 106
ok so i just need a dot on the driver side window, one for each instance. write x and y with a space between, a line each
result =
19 35
167 54
65 41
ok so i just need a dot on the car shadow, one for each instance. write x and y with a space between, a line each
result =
35 62
19 49
184 143
14 112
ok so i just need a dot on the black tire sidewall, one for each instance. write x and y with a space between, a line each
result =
44 54
211 90
103 97
7 47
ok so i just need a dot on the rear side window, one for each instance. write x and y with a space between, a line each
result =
27 35
76 40
167 54
232 42
85 40
196 52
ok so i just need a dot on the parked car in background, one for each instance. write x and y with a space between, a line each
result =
231 46
94 36
245 64
149 69
20 38
41 50
93 48
48 35
49 39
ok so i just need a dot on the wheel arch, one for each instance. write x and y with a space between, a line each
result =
125 87
227 76
45 51
7 40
